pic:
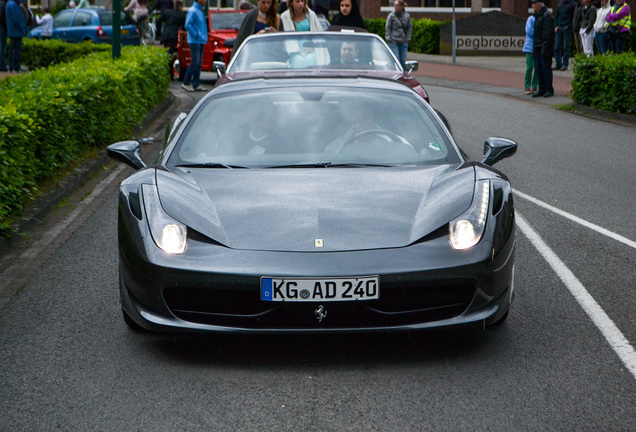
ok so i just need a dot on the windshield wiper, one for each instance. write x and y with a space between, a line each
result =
209 165
330 165
307 165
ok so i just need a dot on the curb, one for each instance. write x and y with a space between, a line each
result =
42 206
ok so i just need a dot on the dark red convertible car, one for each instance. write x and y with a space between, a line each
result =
223 25
331 54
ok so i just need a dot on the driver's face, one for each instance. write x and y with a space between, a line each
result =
348 53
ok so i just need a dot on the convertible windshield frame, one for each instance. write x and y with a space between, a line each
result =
313 50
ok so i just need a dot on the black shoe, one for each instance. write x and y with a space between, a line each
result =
564 68
548 94
556 68
539 94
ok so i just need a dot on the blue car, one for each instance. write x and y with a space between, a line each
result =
90 24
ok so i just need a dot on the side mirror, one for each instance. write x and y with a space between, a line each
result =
229 43
220 68
412 66
173 127
128 152
496 149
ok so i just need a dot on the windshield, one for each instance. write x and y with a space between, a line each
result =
227 20
313 127
314 51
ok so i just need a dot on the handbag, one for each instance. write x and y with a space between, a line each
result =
614 30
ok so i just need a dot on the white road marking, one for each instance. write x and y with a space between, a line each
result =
603 322
577 219
35 249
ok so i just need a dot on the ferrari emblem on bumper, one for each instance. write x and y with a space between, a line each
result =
321 313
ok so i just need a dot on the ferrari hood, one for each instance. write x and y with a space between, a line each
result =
316 209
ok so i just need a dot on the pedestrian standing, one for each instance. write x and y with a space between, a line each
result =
600 27
564 18
298 17
543 48
398 31
619 19
197 30
531 78
170 22
349 15
163 5
588 18
3 36
577 26
261 19
16 30
46 21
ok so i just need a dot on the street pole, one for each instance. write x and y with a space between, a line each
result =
453 32
117 29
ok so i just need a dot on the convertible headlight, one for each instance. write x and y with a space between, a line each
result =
467 230
168 234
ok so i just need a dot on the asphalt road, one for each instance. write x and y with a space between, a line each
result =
68 362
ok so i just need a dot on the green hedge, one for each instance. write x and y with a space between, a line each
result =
40 54
607 82
50 117
425 39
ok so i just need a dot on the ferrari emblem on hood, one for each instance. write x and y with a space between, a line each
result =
318 243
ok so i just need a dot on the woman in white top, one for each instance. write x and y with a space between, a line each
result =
298 17
600 26
140 10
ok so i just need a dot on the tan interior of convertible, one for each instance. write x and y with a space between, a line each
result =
311 51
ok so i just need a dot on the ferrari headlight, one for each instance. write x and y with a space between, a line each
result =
467 230
168 234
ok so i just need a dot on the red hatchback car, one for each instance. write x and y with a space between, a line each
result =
223 25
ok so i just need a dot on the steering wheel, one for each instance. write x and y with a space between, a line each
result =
378 132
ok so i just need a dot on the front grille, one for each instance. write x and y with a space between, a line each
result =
400 303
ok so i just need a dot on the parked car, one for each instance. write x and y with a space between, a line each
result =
307 53
90 24
314 204
223 25
224 29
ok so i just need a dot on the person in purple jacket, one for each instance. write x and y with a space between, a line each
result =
16 30
619 17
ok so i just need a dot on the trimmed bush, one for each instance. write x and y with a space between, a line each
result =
607 82
425 39
38 54
49 118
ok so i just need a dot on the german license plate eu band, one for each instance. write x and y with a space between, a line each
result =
322 290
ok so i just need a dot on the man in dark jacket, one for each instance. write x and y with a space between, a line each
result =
172 20
16 30
3 36
564 18
543 49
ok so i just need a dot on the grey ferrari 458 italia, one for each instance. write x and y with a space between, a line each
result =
314 205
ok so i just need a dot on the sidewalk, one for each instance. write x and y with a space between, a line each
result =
501 74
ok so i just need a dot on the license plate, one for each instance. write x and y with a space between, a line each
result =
322 290
124 31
